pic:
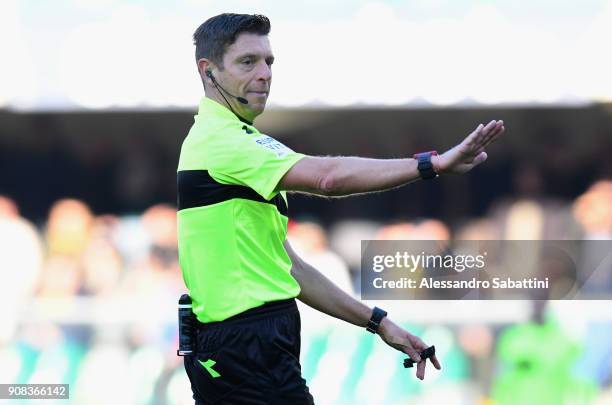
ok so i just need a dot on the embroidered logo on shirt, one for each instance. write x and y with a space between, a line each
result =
275 146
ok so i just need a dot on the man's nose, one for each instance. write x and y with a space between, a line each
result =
264 72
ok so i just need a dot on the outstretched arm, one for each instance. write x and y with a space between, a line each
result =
318 292
337 176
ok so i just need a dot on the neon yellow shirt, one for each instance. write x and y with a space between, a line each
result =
231 221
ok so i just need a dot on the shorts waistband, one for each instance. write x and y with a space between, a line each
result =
262 311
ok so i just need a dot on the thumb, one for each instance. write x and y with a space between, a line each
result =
481 157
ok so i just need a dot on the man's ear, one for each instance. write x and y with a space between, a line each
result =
204 65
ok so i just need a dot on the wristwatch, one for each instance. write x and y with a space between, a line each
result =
375 320
425 166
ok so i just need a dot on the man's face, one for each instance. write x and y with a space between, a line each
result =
247 73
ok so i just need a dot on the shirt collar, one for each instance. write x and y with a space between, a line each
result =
208 105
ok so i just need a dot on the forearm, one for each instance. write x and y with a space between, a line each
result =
318 292
352 175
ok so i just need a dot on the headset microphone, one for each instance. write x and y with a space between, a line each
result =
240 99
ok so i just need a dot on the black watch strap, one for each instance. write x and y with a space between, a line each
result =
425 166
375 320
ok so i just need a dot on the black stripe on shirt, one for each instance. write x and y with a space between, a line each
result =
196 188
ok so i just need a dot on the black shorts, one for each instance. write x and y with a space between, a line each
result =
250 358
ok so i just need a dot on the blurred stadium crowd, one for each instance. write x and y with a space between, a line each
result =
90 300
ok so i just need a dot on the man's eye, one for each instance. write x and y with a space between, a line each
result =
247 62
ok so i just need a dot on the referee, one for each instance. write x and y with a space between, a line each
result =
241 273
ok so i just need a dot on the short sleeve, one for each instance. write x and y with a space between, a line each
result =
254 160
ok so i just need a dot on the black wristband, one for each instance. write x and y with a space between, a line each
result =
375 320
425 166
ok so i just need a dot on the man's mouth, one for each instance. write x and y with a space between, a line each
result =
259 93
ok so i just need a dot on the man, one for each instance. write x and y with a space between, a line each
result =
241 272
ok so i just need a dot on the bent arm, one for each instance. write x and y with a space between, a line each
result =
318 292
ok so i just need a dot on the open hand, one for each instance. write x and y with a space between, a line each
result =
406 342
469 153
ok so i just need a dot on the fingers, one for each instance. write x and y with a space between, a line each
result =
420 372
496 133
482 133
473 138
407 347
493 131
485 131
489 127
422 365
435 362
414 355
413 346
488 131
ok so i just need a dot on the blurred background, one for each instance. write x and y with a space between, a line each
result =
96 97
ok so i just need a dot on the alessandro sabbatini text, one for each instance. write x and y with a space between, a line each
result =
473 283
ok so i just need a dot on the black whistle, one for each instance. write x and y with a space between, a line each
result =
425 354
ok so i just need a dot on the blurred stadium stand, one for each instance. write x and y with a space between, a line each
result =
126 161
89 283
